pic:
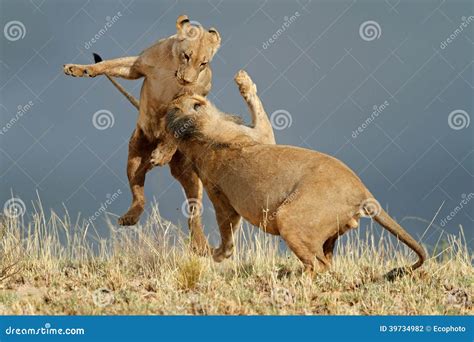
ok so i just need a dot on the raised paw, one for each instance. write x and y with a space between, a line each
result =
245 83
219 254
160 158
77 70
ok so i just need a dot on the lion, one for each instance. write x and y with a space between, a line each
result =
175 65
307 197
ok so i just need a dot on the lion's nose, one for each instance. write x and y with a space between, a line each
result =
184 81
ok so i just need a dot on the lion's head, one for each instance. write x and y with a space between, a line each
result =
192 116
194 50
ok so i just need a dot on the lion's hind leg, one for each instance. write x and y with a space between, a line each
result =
301 239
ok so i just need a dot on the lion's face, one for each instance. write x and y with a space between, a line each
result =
194 51
186 115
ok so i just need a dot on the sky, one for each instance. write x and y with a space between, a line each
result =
385 86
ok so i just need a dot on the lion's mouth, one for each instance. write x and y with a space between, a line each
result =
181 80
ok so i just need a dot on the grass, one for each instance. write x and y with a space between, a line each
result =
51 265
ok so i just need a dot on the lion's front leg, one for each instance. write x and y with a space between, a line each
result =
228 220
260 121
125 67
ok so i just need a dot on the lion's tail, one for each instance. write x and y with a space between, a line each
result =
121 89
393 227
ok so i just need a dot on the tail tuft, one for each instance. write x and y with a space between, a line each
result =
97 58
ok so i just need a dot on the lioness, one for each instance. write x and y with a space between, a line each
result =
172 66
307 197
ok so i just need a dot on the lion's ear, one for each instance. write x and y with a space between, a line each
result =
216 37
181 22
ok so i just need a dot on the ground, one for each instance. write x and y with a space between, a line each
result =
52 266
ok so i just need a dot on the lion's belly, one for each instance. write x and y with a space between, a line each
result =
154 100
257 198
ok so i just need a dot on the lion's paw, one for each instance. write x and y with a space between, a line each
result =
160 158
128 220
77 70
219 254
245 83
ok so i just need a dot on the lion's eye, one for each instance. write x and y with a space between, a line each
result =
197 106
186 56
203 64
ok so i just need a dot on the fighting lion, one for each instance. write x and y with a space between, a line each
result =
307 197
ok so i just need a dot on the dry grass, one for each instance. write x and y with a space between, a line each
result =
50 265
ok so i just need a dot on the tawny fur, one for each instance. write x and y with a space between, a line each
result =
307 197
173 66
